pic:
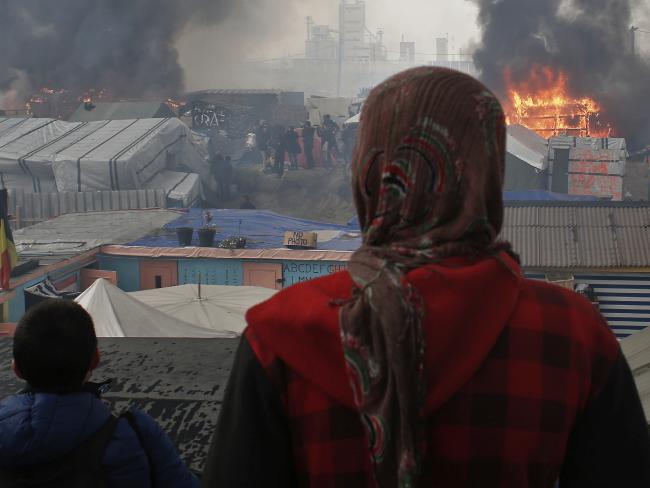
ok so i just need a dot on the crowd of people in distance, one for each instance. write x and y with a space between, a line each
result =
431 360
277 145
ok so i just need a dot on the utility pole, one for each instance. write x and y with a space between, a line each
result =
339 74
633 31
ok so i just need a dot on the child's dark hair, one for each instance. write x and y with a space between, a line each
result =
54 346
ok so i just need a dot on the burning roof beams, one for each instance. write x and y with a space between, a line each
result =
566 66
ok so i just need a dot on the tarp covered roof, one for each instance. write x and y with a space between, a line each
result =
545 196
75 233
263 230
90 156
528 146
117 314
121 111
214 307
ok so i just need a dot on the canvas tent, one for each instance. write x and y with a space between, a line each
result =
94 156
526 160
116 314
182 188
214 307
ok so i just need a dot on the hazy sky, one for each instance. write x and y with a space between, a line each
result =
277 28
418 20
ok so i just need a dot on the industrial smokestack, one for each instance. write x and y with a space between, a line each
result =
587 40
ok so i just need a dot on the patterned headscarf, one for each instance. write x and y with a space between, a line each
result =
428 173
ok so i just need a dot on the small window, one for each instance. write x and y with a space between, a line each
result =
158 281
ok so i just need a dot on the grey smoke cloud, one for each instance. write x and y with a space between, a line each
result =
587 39
127 46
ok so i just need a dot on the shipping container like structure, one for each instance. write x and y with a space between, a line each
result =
588 166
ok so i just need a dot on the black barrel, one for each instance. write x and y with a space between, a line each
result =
184 236
206 237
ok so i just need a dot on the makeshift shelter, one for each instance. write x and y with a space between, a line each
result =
215 307
182 189
94 111
588 166
526 160
637 351
116 314
94 156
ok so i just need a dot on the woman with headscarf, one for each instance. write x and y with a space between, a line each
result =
431 361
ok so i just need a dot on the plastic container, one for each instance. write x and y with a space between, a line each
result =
184 235
206 237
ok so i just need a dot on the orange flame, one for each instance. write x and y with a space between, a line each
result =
543 103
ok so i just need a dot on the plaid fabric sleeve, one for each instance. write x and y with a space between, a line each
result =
610 445
252 442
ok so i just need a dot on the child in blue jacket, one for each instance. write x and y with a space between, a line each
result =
55 351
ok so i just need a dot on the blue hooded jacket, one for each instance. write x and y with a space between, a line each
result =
37 428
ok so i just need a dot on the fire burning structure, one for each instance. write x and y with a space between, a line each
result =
544 104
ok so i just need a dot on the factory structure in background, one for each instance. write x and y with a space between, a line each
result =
345 59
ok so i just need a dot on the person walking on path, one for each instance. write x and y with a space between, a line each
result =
432 360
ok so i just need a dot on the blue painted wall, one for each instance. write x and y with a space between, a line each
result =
212 271
218 271
128 270
297 271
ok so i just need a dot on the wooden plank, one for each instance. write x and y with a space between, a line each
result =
106 200
54 204
161 198
142 198
133 199
45 205
124 200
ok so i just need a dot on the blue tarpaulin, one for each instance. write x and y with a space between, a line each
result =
263 230
545 196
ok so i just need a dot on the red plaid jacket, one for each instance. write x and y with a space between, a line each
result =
534 367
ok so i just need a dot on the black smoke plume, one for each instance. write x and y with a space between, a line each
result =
589 40
125 46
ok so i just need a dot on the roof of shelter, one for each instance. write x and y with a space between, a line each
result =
547 234
579 234
527 146
73 234
180 383
121 111
263 230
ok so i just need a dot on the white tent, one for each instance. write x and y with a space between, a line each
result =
90 156
637 352
219 307
116 314
184 188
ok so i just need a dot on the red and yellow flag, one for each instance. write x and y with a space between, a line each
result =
8 255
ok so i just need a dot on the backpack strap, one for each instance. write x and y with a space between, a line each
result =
88 456
130 418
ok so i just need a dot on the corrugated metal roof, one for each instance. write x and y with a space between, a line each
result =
579 235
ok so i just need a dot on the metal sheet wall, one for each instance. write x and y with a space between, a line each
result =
624 300
212 271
